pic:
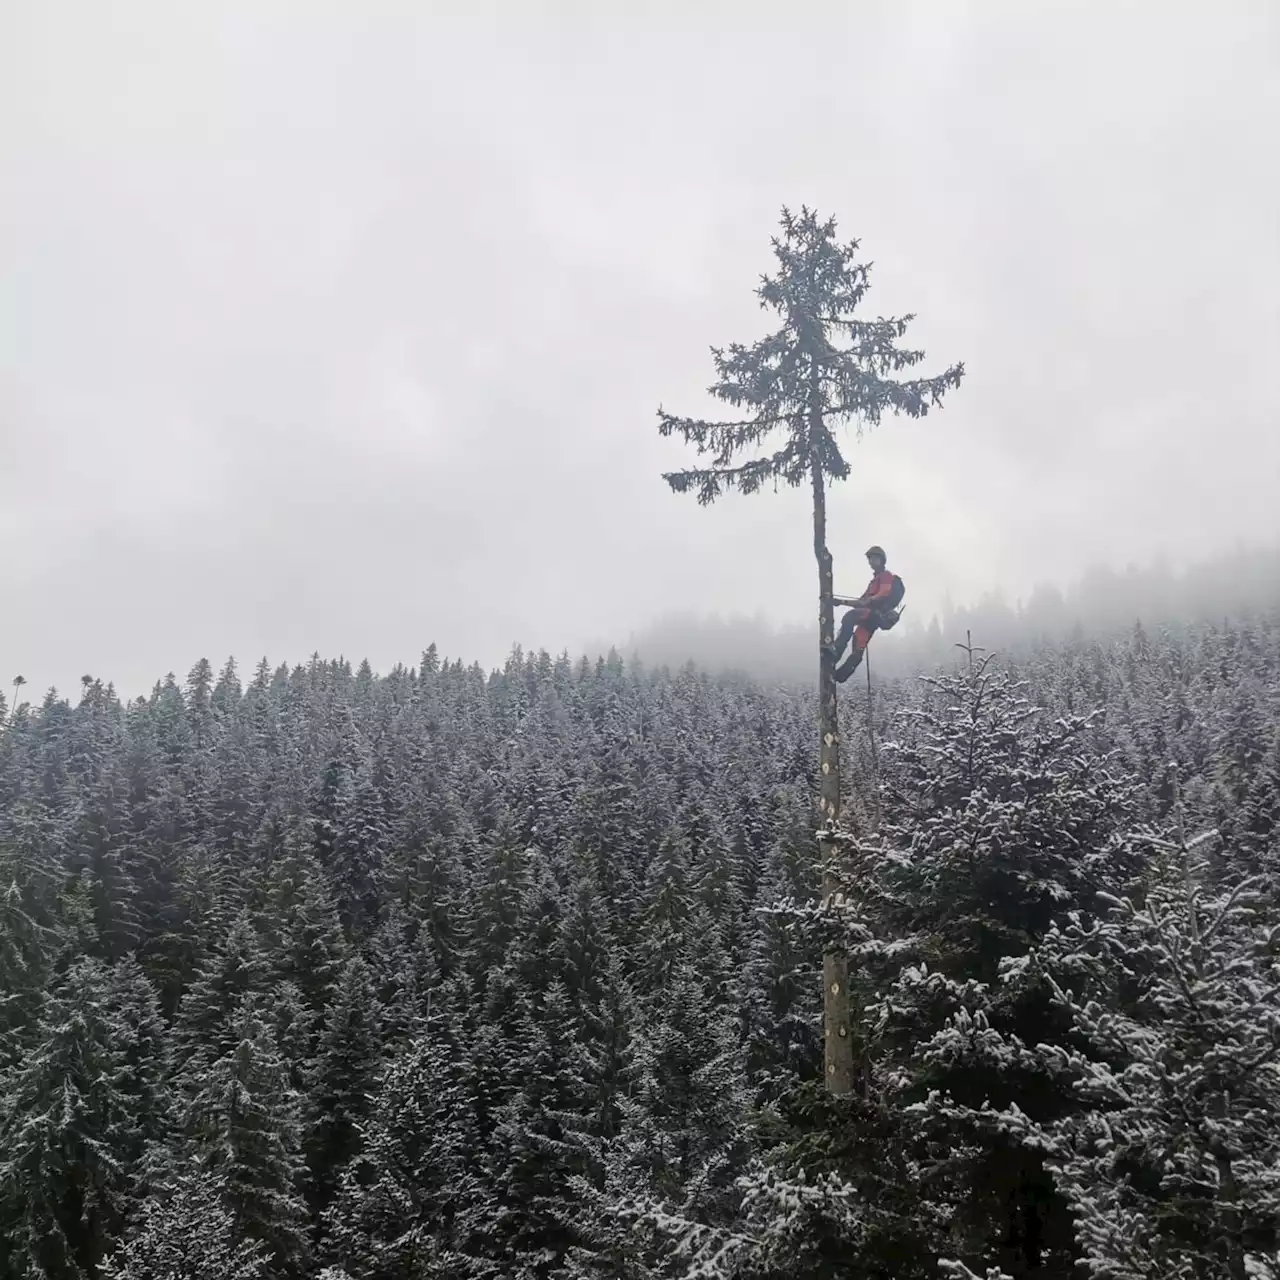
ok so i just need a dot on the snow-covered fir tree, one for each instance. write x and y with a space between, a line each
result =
187 1232
1171 1164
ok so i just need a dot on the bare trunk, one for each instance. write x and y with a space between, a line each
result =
838 1042
1229 1197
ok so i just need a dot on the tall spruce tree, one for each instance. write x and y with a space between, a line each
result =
822 368
24 968
401 1199
1172 1165
537 1146
345 1078
244 1127
187 1232
206 1024
68 1127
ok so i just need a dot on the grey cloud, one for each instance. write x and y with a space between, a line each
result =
342 328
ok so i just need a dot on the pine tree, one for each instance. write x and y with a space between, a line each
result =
329 802
98 839
198 768
665 925
538 957
24 969
359 853
244 1126
606 1028
501 884
997 819
821 368
348 1064
781 1014
67 1128
1173 1166
674 1166
684 1120
1001 823
233 808
537 1144
997 822
76 923
208 1014
305 934
156 849
422 881
398 1202
586 947
608 826
187 1233
1258 827
296 1031
145 1066
395 966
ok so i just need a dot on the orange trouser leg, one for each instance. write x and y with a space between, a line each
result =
851 630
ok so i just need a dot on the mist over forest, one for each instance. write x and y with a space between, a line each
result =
1108 601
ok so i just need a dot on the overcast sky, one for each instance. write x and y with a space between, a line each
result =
342 326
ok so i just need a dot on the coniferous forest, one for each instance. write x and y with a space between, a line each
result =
316 972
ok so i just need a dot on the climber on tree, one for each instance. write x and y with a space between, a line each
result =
874 610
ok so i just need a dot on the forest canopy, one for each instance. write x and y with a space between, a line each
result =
440 973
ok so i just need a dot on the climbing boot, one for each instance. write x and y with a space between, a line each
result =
850 665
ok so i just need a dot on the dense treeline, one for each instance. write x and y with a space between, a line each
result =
440 974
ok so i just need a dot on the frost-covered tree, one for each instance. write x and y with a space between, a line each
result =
397 967
1172 1165
345 1076
24 969
187 1232
781 1010
683 1120
997 817
399 1200
244 1127
501 883
537 1145
996 821
71 1127
666 920
359 852
304 931
144 1076
295 1030
207 1024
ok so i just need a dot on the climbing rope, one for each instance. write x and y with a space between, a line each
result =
871 734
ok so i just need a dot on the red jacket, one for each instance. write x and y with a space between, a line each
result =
879 587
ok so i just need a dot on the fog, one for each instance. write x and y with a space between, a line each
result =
1101 605
343 327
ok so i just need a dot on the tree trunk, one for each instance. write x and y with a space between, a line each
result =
1229 1196
837 1040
